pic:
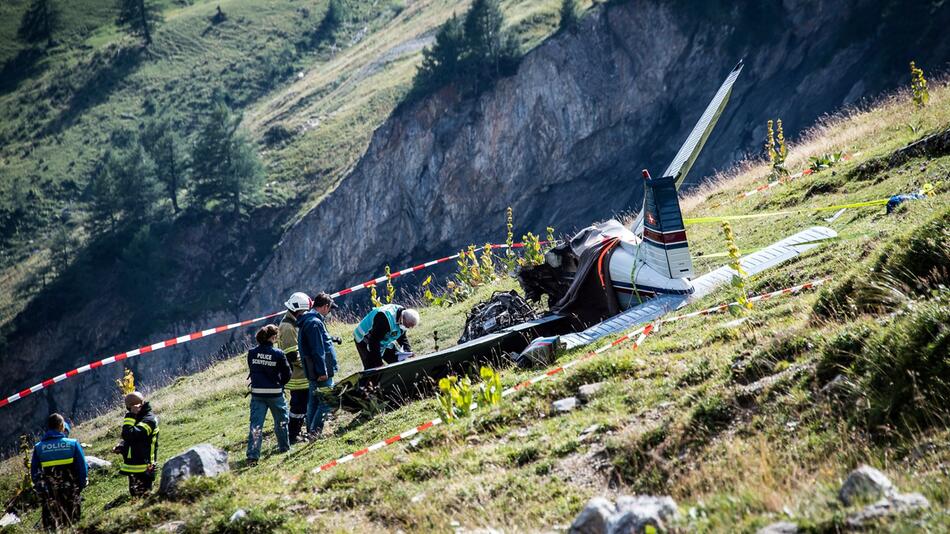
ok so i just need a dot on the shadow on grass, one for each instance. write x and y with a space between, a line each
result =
26 64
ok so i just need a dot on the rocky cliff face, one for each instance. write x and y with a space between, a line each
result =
561 142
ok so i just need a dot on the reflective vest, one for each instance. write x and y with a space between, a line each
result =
58 459
287 342
395 331
141 440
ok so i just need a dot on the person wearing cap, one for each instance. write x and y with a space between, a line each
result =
380 331
269 372
298 386
318 356
59 473
139 445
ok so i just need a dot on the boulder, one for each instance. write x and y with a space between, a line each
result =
95 463
565 405
781 527
200 460
893 504
634 514
594 517
171 526
864 484
587 391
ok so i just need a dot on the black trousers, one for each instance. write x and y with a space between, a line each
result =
61 507
298 411
372 361
140 484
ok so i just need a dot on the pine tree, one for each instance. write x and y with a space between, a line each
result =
39 22
490 52
225 167
62 246
139 17
167 150
568 15
440 62
103 204
137 190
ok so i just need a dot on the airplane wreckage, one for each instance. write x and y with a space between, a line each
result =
607 279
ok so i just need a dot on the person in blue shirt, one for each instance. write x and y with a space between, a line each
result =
59 473
316 351
269 373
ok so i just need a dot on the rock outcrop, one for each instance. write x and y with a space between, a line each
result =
561 140
200 460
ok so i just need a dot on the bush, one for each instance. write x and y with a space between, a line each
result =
782 350
712 414
905 369
909 266
255 522
194 488
840 352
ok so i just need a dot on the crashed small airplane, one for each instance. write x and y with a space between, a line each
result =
608 279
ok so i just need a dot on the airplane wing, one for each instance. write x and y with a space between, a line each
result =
766 258
684 159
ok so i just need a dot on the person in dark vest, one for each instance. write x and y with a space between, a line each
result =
319 360
298 386
381 331
139 445
59 473
269 372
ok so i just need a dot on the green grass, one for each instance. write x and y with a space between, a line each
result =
673 418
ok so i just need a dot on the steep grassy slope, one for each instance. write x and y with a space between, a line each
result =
685 415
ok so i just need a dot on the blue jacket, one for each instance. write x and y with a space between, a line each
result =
57 457
269 370
315 346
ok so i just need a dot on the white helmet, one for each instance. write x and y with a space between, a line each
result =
298 302
410 318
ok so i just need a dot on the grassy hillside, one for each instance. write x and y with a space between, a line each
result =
688 414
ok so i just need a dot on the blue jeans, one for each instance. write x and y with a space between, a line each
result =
318 407
278 409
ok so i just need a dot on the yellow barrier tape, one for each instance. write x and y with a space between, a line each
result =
701 220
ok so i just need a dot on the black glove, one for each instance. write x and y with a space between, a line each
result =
337 340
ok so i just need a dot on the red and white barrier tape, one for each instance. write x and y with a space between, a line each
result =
770 185
211 331
438 421
131 354
806 172
640 335
421 266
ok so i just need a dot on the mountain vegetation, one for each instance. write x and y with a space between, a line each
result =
743 422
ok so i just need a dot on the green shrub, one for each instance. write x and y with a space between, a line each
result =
524 455
255 522
712 414
194 488
635 460
840 352
905 369
420 469
783 349
909 266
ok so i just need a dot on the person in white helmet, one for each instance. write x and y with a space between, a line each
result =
381 331
299 388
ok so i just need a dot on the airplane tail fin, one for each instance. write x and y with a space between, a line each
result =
665 248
